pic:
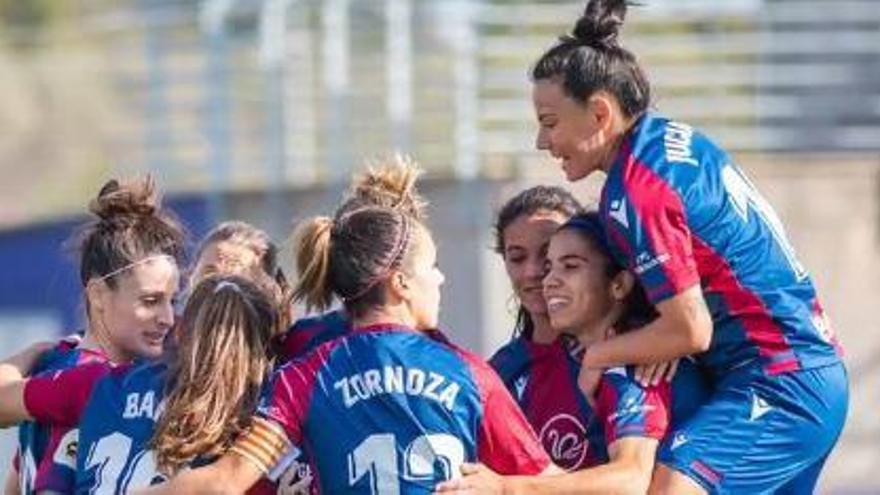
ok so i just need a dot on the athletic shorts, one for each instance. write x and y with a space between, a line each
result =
762 434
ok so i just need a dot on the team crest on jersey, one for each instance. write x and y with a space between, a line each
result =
565 439
65 453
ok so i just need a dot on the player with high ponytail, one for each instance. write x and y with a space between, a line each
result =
391 405
129 258
147 422
712 256
391 183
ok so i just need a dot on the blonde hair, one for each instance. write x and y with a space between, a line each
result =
388 184
215 379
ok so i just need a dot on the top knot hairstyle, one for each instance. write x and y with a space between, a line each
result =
387 192
130 226
349 257
590 59
389 183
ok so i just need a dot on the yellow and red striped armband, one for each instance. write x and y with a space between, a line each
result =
263 445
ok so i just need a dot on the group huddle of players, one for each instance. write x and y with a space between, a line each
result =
667 341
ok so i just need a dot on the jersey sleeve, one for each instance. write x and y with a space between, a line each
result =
277 434
629 410
59 397
648 229
286 396
505 442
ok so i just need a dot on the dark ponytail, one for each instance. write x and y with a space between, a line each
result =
591 59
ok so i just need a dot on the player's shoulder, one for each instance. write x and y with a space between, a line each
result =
143 374
620 374
474 367
514 347
666 150
510 357
622 379
309 332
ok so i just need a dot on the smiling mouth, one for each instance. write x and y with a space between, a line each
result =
556 303
156 337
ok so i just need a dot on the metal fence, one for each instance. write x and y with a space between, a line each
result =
227 93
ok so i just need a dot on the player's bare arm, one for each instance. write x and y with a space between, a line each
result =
231 474
627 473
684 327
13 371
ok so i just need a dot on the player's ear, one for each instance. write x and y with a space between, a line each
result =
398 285
622 284
96 293
602 109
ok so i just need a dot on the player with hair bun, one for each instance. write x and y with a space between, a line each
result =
391 406
712 256
129 257
147 422
389 183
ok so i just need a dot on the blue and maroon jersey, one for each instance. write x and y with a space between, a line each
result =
386 407
679 212
116 428
307 334
47 452
626 409
543 380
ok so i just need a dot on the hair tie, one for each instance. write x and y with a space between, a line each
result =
131 265
226 284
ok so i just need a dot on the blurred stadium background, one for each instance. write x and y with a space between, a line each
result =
259 109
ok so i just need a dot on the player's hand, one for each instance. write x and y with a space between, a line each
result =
652 374
476 478
296 480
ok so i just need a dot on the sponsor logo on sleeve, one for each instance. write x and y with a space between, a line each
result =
645 261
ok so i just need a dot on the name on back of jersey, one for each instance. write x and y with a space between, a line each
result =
398 380
142 405
677 143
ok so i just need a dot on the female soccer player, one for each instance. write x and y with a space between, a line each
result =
204 407
128 268
587 293
238 248
151 421
713 257
391 407
391 183
539 366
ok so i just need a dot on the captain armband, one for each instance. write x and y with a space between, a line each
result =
264 445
